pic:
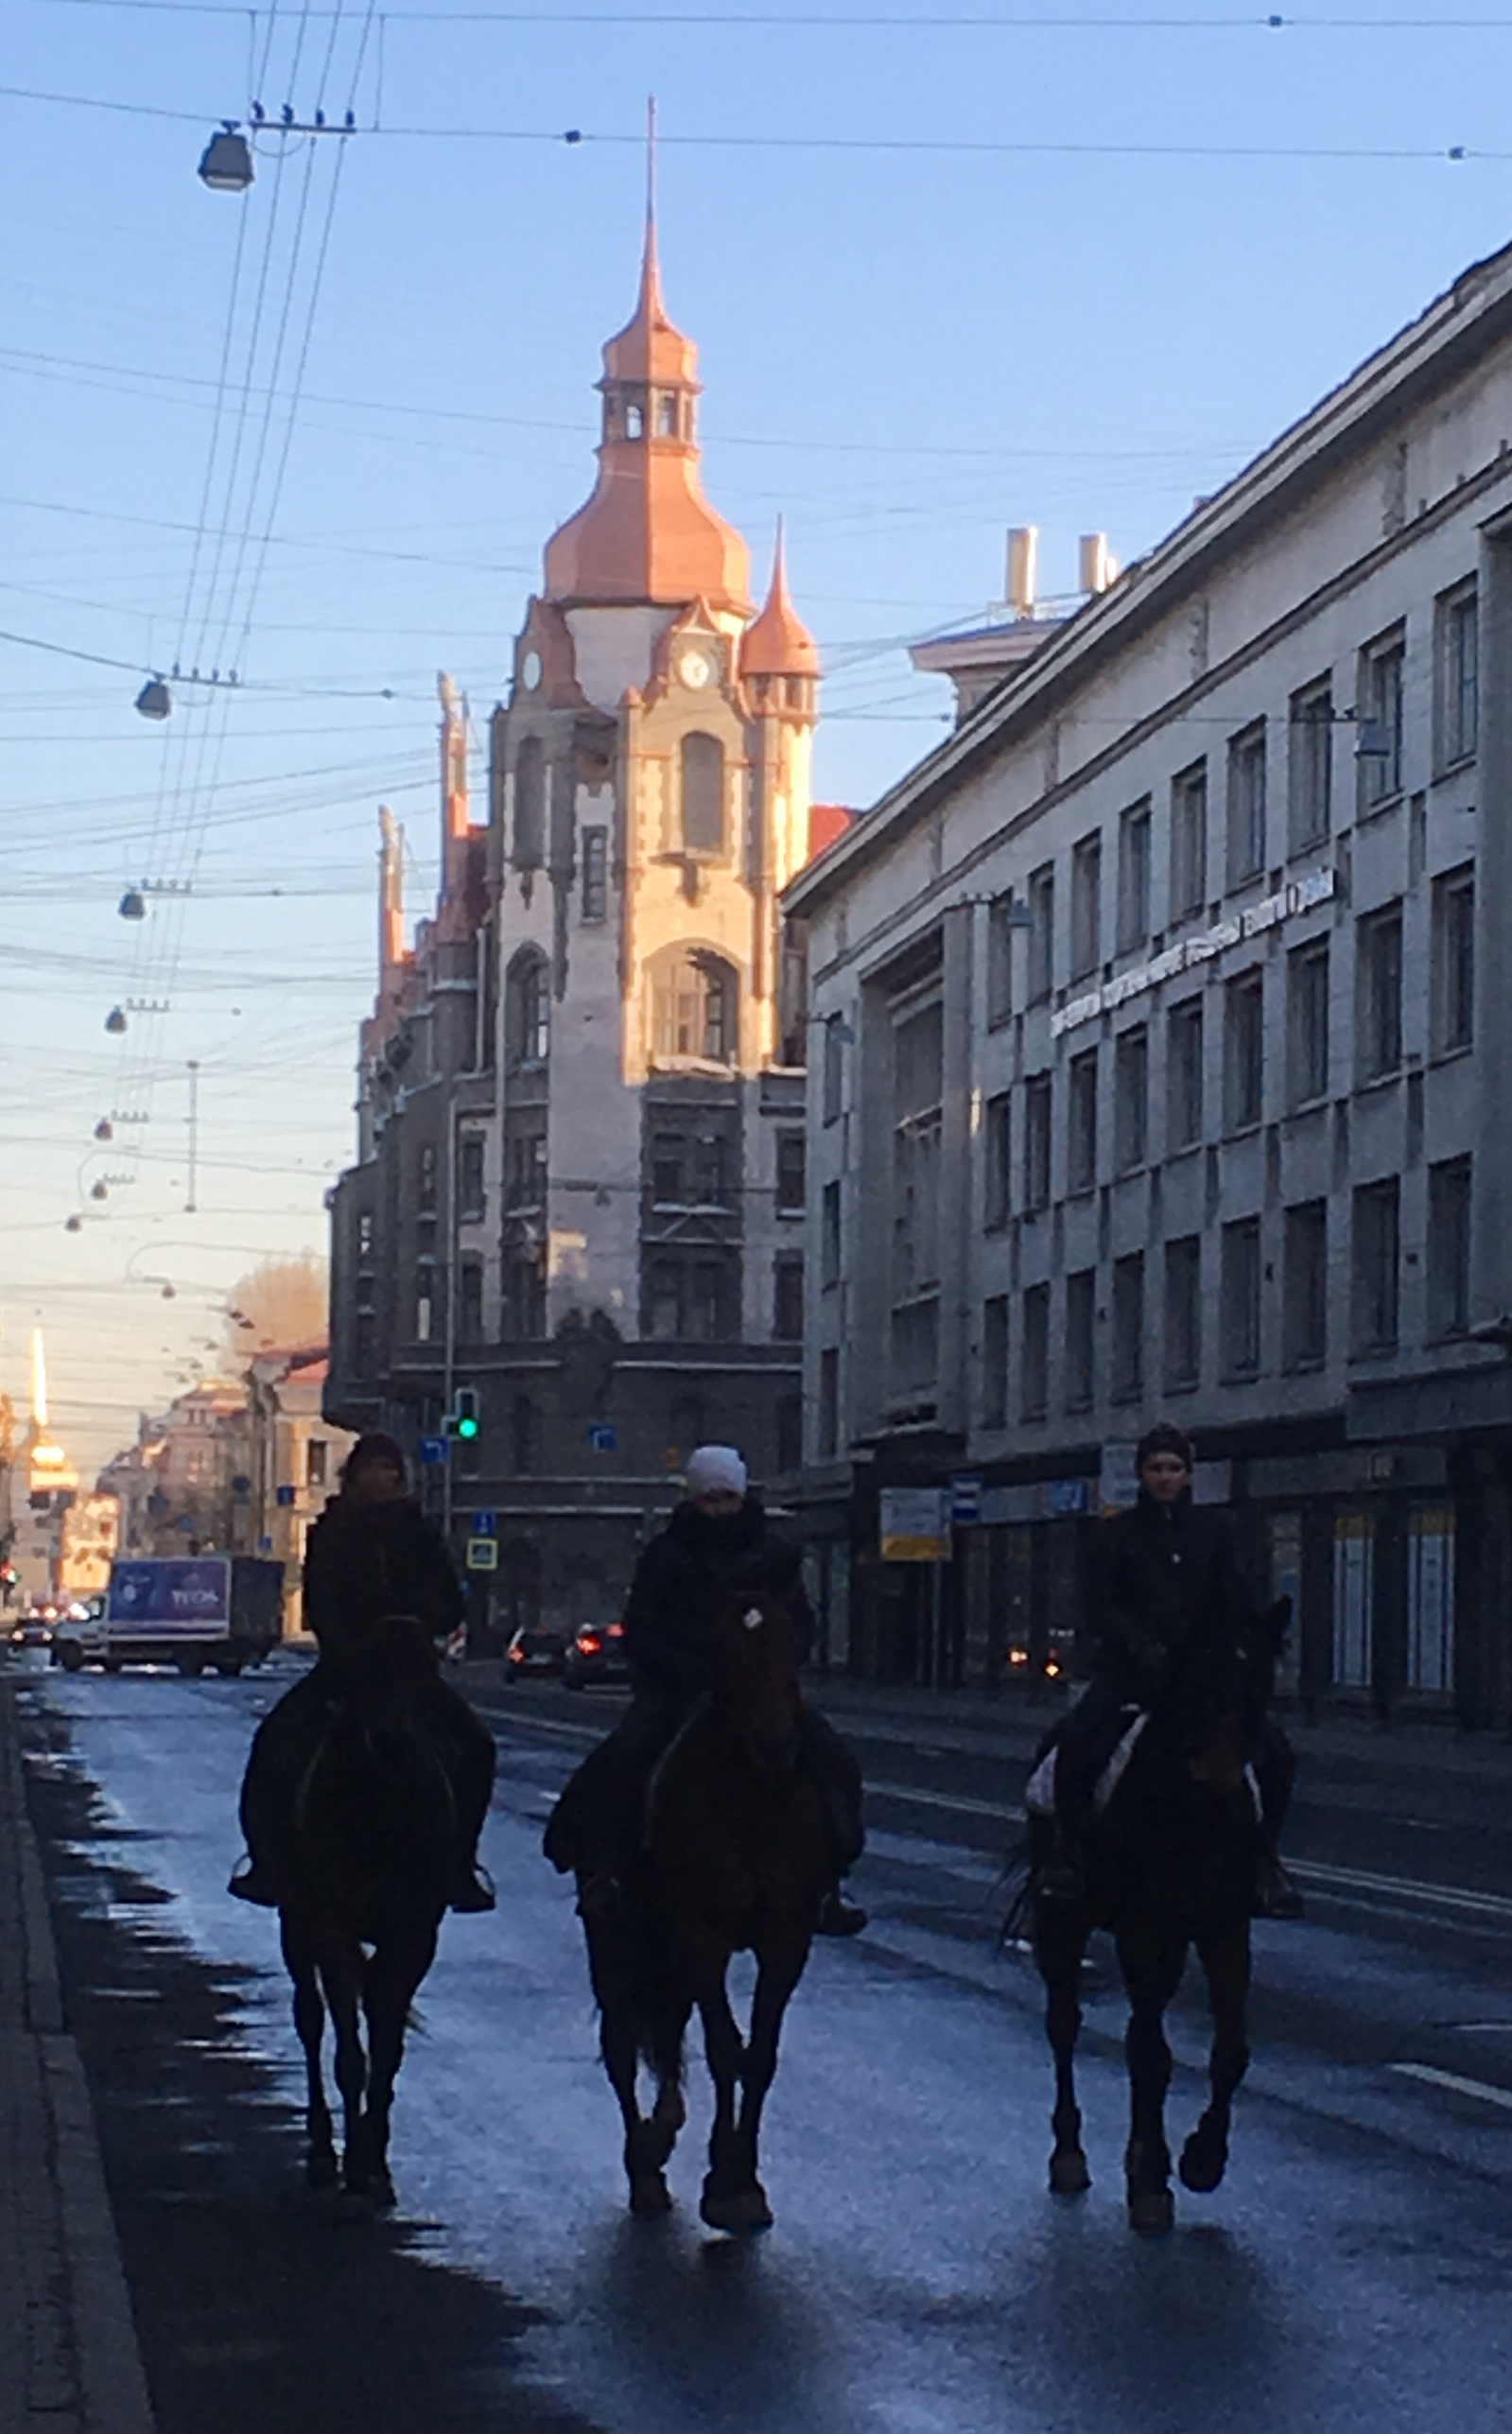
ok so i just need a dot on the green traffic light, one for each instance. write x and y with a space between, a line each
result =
466 1426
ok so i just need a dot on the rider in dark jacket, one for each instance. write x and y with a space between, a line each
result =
371 1556
1169 1616
715 1547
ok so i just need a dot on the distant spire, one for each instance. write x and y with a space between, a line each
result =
777 643
651 280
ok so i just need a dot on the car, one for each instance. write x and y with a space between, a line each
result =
34 1628
596 1654
536 1648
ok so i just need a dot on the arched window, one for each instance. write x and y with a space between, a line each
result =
528 1010
667 414
695 1007
634 421
529 804
703 794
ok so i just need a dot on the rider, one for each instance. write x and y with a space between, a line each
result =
1166 1608
716 1546
370 1555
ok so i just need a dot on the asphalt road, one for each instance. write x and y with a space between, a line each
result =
1354 2270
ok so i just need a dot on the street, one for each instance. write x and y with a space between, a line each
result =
1354 2270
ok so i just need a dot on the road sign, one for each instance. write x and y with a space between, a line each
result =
283 1495
1119 1485
485 1525
915 1524
965 1501
603 1437
432 1449
482 1555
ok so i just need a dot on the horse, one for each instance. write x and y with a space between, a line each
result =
371 1847
1171 1870
734 1857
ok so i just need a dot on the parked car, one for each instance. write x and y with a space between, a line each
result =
596 1654
536 1648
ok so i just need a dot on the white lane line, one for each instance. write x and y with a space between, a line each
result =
1359 1880
1480 2089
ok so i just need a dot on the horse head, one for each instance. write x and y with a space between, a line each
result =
756 1676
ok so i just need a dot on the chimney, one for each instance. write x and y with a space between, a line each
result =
1099 567
1023 553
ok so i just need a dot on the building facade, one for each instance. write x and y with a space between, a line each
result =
580 1185
1162 1068
294 1457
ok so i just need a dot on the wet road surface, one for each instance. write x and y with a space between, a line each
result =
1355 2270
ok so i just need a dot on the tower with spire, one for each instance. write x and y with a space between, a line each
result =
588 1210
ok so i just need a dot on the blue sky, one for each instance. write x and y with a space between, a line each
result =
914 331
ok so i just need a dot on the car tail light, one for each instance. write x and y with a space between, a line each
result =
589 1642
616 1631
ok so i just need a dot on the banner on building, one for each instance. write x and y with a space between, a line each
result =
915 1524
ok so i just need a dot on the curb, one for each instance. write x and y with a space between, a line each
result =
112 2391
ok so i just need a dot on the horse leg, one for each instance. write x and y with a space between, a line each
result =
1060 1942
309 2024
780 1966
390 1986
1225 1965
1151 1968
341 1977
728 2201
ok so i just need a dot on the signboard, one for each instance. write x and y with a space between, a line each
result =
432 1449
485 1525
603 1437
915 1524
965 1501
167 1593
482 1555
1119 1485
1298 896
283 1495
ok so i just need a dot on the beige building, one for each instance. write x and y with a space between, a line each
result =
91 1538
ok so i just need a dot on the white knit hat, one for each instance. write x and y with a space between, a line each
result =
715 1470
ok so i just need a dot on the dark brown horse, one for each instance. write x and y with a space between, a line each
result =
372 1849
734 1858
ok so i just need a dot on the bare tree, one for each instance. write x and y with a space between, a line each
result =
279 1306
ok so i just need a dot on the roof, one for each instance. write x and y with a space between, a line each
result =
777 642
828 823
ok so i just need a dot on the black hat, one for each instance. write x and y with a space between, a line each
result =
1165 1437
375 1446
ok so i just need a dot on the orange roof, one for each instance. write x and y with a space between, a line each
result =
826 822
778 643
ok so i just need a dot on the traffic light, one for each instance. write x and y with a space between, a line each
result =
464 1412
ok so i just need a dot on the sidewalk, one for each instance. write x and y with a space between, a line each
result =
68 2355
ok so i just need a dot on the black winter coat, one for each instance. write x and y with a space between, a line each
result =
365 1561
1166 1601
686 1575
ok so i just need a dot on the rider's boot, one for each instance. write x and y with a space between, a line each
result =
256 1883
838 1917
472 1888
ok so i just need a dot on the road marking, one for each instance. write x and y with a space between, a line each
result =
1359 1880
1455 2084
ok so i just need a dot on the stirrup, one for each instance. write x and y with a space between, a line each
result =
474 1891
838 1917
254 1883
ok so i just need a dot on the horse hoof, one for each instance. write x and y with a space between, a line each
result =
1203 2163
321 2171
649 2197
739 2209
1152 2213
1069 2174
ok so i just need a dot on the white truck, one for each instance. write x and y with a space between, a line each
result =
192 1612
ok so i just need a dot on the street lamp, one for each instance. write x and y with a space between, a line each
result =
226 166
155 702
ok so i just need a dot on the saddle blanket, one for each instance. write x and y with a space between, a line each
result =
1040 1792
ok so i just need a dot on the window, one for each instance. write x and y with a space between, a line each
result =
1431 1598
471 1195
919 1039
1240 1318
365 1236
994 1362
1375 1263
1183 1312
829 1402
1134 878
1131 1099
1355 1600
691 1167
1304 1286
1184 1075
829 1235
1246 803
1033 1366
525 1437
703 794
525 1293
793 1171
525 1166
1458 674
1244 1043
1041 893
596 874
1188 841
789 1432
997 1139
694 1009
1128 1328
1309 796
1081 1146
834 1067
1377 726
470 1301
1449 1248
1307 1023
529 804
426 1187
424 1300
315 1451
999 959
1037 1109
1379 963
787 1300
690 1298
1086 907
527 1010
1454 962
1081 1340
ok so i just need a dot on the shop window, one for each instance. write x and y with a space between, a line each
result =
1431 1599
1355 1600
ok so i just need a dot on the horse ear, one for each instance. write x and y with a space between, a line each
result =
753 1618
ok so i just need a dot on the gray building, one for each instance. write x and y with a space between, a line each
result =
1164 1070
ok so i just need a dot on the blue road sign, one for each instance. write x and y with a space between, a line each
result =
432 1449
283 1495
603 1437
965 1501
485 1525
